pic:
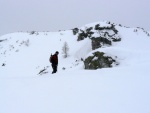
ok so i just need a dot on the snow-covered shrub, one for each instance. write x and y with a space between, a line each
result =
99 42
98 60
75 31
100 34
26 43
32 32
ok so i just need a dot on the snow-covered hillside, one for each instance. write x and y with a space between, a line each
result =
124 88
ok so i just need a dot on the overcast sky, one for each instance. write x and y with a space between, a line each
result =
54 15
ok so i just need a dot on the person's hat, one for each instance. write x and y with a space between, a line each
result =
57 52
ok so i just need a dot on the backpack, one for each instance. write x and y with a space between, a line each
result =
51 58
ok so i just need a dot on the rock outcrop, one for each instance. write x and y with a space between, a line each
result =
101 35
99 60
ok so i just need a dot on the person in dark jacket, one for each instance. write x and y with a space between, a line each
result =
55 62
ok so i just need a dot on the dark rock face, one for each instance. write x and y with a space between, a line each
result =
98 60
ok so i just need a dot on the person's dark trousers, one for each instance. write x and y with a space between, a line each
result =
54 68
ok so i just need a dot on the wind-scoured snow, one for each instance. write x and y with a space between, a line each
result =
121 89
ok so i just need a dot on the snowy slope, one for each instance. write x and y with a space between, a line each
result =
36 54
121 89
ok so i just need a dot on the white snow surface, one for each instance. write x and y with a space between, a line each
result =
120 89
